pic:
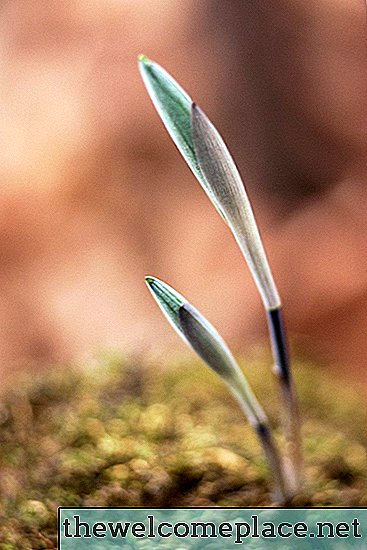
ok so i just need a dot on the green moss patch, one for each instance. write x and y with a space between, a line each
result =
126 434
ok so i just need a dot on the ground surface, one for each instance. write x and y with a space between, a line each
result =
121 434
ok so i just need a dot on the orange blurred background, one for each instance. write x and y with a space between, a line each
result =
94 195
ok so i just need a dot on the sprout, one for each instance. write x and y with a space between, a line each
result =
228 193
202 337
209 159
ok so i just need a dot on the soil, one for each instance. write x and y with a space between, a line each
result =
128 433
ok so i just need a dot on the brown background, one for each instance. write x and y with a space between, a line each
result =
94 195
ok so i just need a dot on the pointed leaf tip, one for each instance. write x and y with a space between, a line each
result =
168 299
203 338
143 58
150 282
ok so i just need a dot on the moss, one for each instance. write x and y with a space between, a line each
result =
127 434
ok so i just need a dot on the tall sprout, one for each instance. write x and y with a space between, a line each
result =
209 159
202 337
229 196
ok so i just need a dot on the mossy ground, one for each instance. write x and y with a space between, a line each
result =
126 434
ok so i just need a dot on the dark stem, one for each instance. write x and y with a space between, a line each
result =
279 345
291 414
275 463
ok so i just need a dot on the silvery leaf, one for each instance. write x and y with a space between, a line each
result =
228 194
207 343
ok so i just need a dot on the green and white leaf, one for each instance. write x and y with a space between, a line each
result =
173 105
208 344
168 299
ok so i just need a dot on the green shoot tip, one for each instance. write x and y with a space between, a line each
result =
149 280
143 58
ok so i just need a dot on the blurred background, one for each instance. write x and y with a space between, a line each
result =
94 194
